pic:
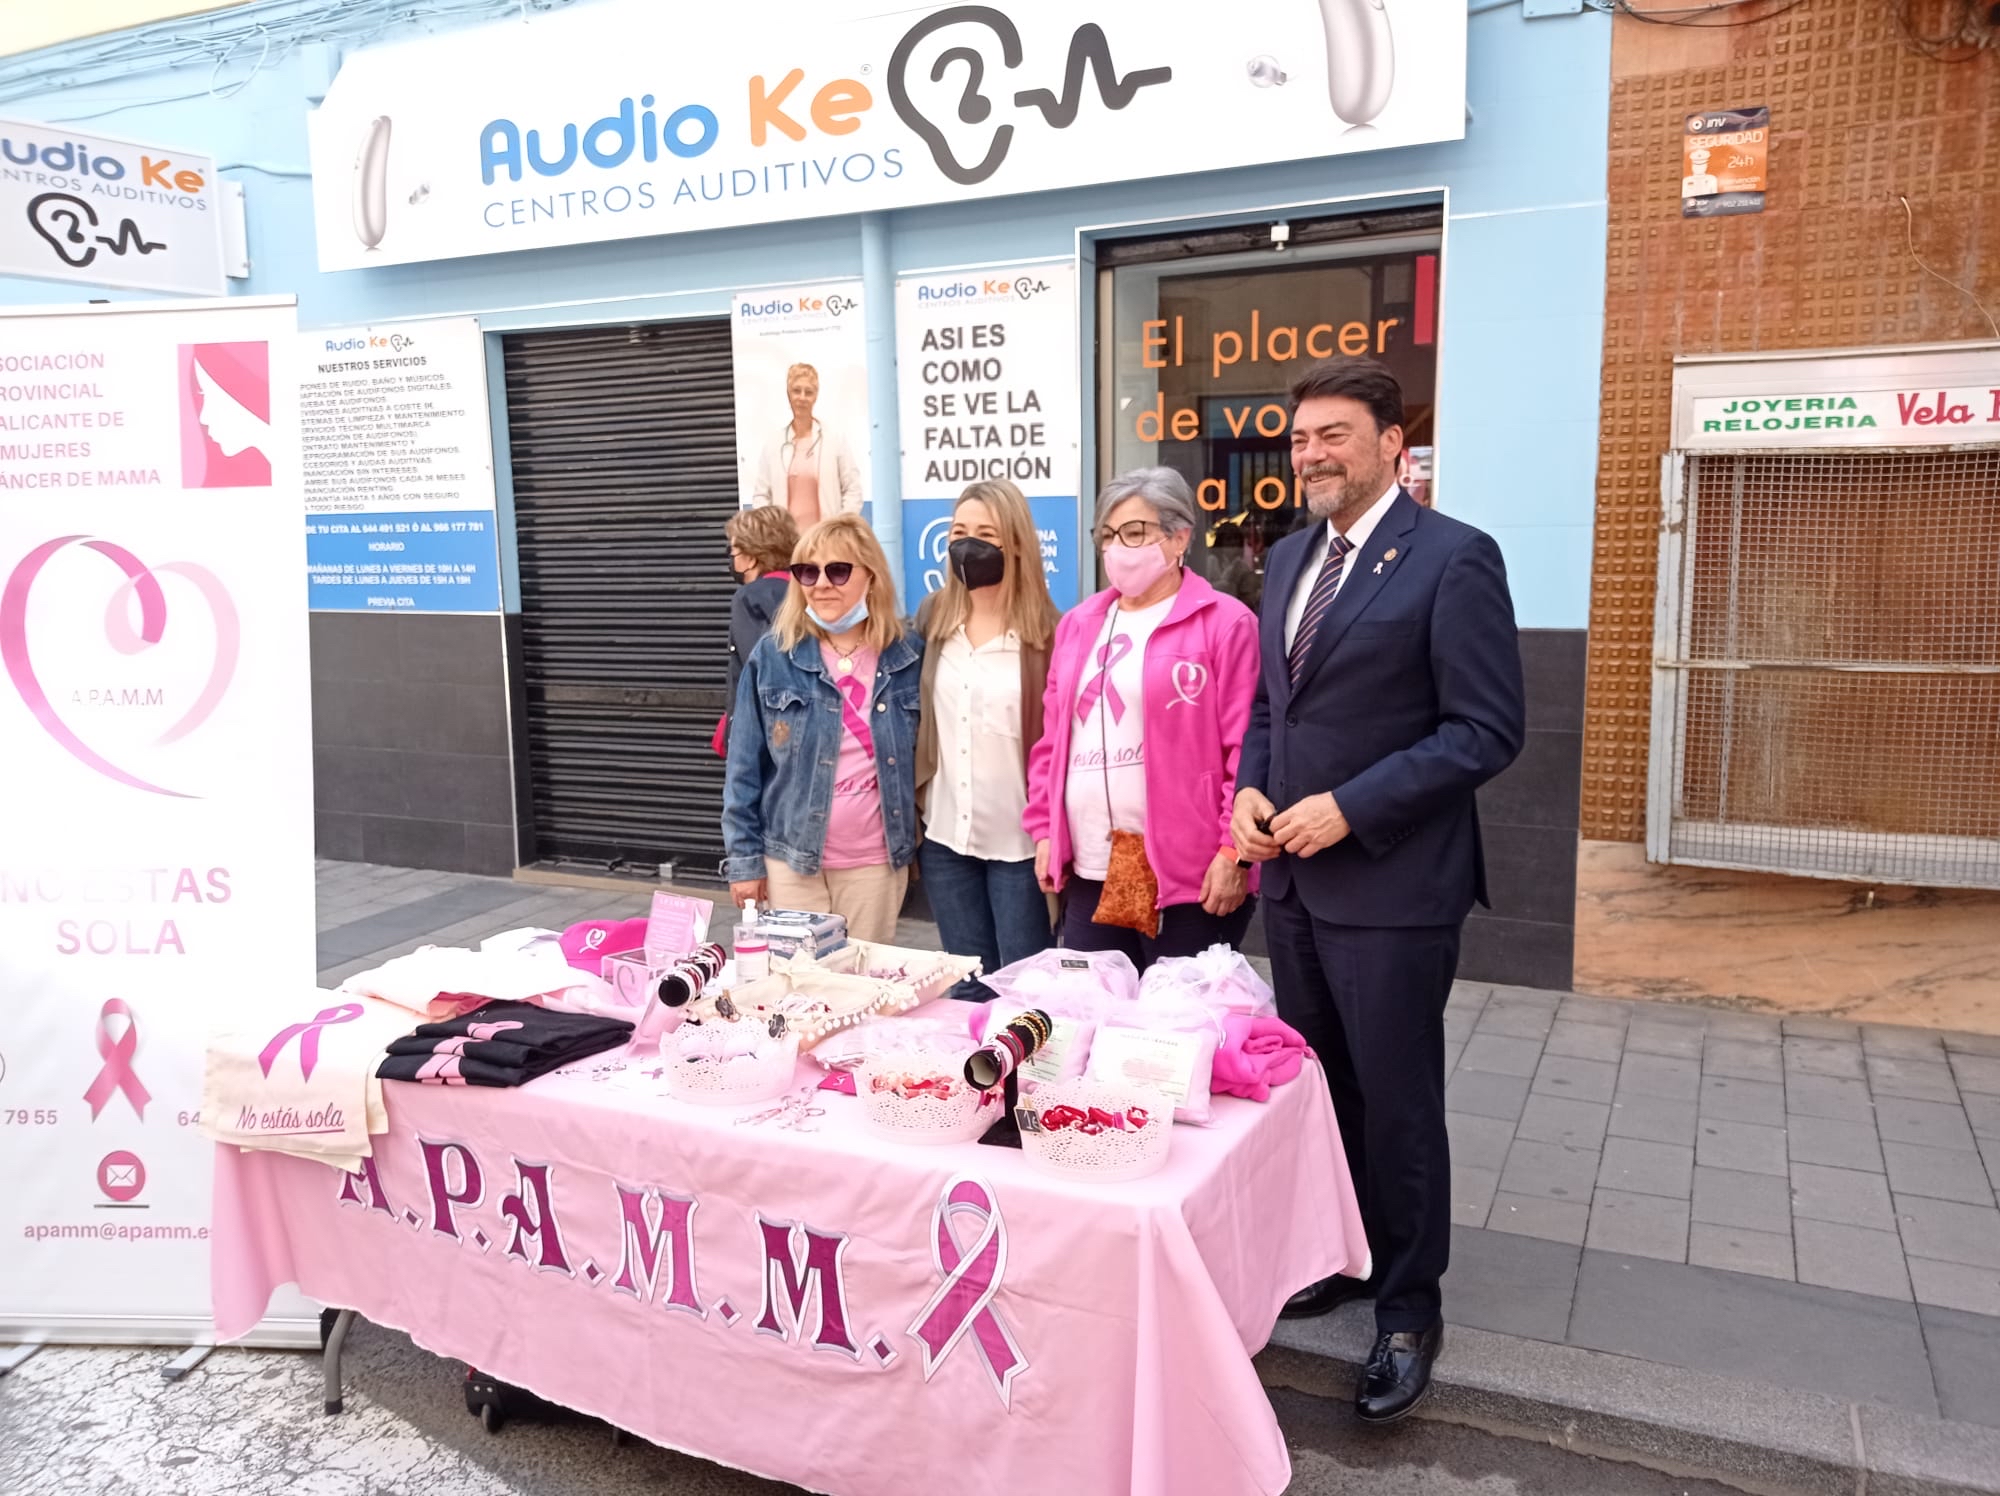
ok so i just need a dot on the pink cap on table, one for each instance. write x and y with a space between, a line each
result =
585 945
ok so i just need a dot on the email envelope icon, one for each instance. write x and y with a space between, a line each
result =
125 1175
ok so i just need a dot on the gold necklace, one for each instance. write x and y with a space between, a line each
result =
845 664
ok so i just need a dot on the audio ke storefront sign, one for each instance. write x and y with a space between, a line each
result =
986 381
95 211
630 118
156 867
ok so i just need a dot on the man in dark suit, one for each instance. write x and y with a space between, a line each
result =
1390 691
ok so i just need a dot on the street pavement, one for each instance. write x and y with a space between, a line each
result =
1796 1203
76 1422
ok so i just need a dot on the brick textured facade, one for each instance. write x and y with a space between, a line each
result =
1859 120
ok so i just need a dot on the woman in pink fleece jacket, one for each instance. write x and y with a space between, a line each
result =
1150 684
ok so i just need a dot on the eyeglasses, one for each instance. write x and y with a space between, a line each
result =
806 573
1135 532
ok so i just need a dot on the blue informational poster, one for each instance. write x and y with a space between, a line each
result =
927 539
397 449
440 562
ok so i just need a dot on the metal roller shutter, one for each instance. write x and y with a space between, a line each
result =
624 456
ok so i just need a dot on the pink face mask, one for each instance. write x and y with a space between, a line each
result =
1134 568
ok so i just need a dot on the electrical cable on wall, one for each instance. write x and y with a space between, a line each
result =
1691 15
1974 28
1910 238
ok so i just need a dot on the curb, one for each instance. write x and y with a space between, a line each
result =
1760 1438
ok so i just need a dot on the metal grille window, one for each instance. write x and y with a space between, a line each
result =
1826 695
624 451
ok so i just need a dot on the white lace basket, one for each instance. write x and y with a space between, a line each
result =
1110 1153
958 1118
763 1076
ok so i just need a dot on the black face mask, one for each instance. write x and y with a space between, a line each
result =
978 563
735 575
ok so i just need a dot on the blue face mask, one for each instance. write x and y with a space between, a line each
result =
854 617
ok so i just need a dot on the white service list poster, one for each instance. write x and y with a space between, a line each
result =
396 444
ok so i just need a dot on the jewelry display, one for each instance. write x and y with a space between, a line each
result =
1003 1053
684 980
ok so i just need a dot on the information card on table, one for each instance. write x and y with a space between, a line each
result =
398 450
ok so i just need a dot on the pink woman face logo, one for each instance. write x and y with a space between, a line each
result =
141 583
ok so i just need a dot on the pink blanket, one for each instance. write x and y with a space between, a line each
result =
910 1311
1257 1054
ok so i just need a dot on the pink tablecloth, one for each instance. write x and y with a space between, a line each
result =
770 1299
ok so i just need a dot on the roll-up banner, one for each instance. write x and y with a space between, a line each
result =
156 854
987 385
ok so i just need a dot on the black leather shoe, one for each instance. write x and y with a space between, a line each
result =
1326 1296
1398 1374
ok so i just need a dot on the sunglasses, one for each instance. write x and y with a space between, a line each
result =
838 573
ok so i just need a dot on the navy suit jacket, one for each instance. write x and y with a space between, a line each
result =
1410 699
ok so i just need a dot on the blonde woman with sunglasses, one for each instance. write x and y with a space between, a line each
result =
819 808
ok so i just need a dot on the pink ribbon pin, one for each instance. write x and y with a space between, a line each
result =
964 1301
308 1036
1107 656
117 1073
854 711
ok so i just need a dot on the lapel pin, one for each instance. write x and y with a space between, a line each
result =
1387 556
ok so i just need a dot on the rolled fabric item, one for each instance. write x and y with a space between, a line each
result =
1002 1055
685 979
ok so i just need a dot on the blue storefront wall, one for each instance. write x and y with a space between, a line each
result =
1521 327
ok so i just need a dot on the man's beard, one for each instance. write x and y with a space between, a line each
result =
1356 493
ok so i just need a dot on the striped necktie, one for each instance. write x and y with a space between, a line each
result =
1317 604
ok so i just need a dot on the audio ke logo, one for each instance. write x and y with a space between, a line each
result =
934 550
968 67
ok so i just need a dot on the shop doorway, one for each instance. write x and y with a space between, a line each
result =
623 442
1201 334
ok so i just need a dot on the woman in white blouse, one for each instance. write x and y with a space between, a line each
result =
986 664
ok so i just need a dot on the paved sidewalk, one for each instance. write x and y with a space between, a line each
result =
1800 1203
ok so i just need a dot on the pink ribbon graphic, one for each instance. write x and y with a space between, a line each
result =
117 1073
854 710
1107 656
143 581
964 1301
442 1068
308 1036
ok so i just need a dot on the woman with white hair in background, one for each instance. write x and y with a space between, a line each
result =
1131 788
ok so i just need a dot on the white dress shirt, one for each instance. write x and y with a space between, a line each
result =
1358 533
978 794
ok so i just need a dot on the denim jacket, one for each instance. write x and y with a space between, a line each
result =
784 744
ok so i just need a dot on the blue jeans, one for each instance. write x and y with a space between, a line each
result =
992 910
